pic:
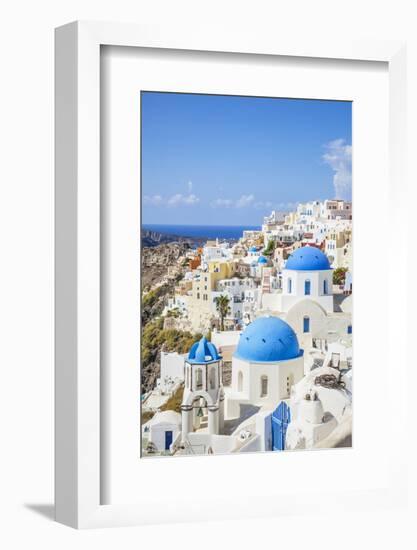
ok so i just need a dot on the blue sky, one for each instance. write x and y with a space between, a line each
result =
229 160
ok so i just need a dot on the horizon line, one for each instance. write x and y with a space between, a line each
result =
201 224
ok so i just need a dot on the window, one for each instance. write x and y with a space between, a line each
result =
213 378
335 360
264 386
325 291
199 379
306 324
289 286
240 381
349 329
307 287
198 295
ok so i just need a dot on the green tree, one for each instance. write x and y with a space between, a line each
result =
270 247
339 276
175 312
222 307
155 338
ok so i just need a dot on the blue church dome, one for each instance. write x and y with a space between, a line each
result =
307 258
253 249
262 260
203 352
268 339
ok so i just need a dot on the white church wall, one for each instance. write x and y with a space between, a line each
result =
298 312
172 365
294 291
271 301
248 385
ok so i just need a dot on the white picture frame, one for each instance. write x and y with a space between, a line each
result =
78 259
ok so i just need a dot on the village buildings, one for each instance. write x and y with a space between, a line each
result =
274 369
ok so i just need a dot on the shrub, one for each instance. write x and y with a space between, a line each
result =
339 276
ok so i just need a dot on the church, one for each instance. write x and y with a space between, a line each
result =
306 300
277 399
269 394
247 415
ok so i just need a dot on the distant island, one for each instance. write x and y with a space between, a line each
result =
194 235
150 239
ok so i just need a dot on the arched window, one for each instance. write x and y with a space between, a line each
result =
289 286
325 290
306 324
307 287
213 378
264 386
240 381
199 379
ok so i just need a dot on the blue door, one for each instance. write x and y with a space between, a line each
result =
307 288
281 417
306 324
168 439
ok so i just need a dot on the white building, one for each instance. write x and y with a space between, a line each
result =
172 368
162 430
203 389
242 294
267 371
309 210
311 425
221 251
336 209
306 282
226 342
307 275
267 362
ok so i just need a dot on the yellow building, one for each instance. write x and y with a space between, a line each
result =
204 283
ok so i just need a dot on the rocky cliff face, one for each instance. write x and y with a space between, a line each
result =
162 267
163 264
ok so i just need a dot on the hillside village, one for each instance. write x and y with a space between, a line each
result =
256 346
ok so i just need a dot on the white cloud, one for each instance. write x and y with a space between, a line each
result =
225 203
245 200
154 200
249 200
179 199
242 202
277 206
338 156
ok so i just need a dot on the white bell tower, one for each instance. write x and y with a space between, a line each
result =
203 388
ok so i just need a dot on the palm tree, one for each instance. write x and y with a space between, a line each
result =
222 307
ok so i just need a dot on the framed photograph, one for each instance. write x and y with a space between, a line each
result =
213 206
247 308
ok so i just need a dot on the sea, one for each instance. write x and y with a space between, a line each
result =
203 231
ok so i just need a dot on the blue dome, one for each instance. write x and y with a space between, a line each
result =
307 258
253 249
203 352
262 260
268 339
